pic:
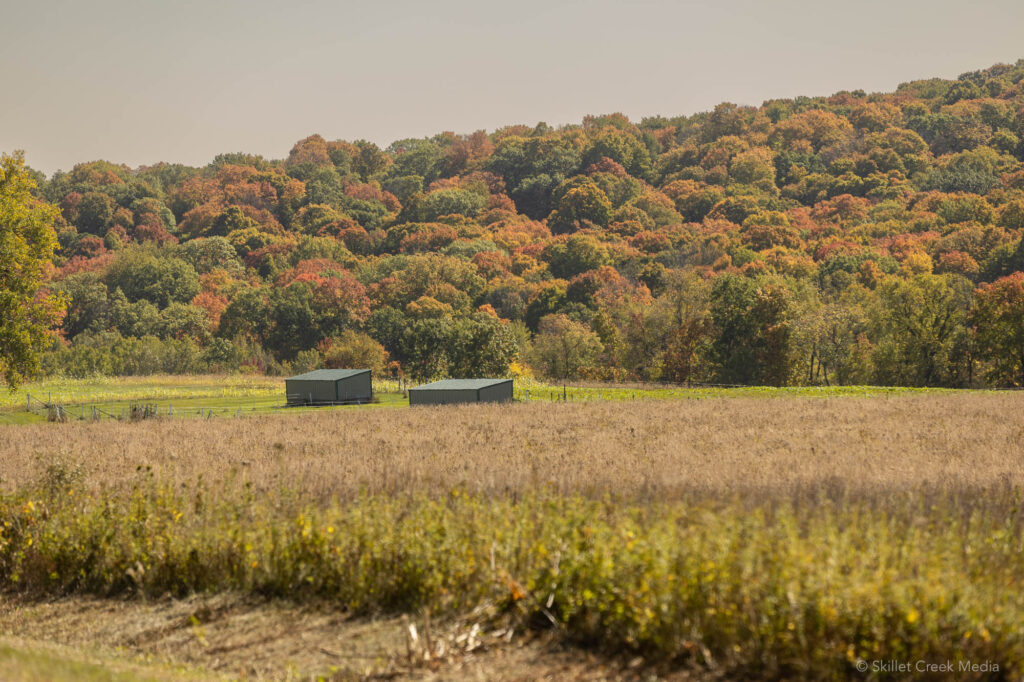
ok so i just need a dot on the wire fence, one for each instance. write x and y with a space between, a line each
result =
134 410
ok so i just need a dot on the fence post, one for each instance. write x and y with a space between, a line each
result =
28 402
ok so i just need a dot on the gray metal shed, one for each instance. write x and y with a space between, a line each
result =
449 391
329 386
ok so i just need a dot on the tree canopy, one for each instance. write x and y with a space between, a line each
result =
27 243
848 238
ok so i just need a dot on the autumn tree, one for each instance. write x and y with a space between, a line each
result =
685 306
27 242
564 349
751 331
920 327
353 350
580 201
998 317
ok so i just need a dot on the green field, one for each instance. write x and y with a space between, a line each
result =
208 396
194 397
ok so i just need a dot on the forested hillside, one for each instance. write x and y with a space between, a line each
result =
845 239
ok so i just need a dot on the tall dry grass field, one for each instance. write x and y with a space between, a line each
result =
649 450
784 539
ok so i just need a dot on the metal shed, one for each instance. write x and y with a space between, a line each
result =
451 391
329 386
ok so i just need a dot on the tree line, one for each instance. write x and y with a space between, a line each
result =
850 239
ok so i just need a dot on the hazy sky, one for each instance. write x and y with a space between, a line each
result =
141 81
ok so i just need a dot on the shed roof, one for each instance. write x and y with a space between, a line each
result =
328 374
459 384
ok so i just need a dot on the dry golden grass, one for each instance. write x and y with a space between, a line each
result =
800 535
644 449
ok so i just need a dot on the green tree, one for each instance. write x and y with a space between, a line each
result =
684 308
95 213
88 308
551 299
27 243
564 349
144 276
353 350
138 319
180 321
480 346
416 157
998 317
576 255
445 202
752 331
207 253
921 333
245 316
579 200
294 323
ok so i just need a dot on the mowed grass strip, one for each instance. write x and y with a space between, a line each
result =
22 661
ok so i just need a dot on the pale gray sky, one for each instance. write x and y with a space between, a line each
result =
141 81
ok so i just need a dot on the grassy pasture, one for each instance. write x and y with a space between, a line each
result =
245 395
187 395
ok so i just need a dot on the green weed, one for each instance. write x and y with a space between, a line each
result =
782 590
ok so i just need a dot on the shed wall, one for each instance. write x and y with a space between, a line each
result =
358 387
442 396
300 392
497 393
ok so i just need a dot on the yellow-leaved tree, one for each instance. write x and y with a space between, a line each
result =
27 242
